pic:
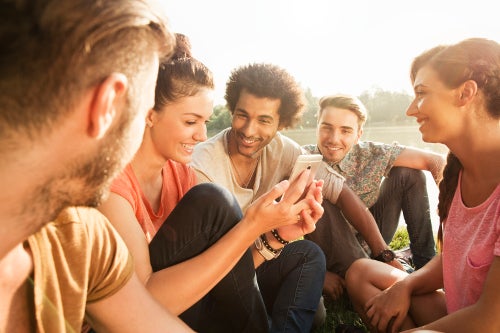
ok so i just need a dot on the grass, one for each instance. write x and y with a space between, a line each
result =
341 311
400 240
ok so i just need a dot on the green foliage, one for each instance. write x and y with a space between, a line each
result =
339 312
401 239
221 118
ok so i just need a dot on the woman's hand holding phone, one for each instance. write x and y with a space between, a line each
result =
295 214
307 217
312 195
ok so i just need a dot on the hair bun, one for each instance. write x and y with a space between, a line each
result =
182 47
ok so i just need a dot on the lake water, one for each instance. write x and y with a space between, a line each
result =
406 135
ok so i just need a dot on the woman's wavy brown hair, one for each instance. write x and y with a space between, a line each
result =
475 59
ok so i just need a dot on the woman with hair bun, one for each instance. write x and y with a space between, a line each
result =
457 103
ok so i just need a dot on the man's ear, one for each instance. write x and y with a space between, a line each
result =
466 92
108 101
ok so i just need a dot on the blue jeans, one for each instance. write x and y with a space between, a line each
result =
236 303
291 286
405 189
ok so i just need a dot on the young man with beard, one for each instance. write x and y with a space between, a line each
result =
252 156
77 80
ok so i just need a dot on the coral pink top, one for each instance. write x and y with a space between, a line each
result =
178 178
471 240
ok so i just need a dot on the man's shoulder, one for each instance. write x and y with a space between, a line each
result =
81 243
311 149
369 149
366 146
208 157
283 142
78 224
214 143
78 229
285 139
75 233
281 150
280 154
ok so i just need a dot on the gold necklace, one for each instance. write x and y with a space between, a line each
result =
240 179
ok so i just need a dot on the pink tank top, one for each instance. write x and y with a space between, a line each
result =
471 240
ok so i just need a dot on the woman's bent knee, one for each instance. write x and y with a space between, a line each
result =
208 197
357 271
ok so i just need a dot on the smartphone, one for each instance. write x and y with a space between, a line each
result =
304 162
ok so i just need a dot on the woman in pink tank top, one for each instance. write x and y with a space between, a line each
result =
457 103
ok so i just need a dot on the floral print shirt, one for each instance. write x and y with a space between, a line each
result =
365 166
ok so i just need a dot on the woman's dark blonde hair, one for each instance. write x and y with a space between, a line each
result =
475 59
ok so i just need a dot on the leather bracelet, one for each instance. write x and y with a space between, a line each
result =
278 237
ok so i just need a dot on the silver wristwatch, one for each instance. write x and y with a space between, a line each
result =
264 251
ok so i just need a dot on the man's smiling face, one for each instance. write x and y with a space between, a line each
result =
338 131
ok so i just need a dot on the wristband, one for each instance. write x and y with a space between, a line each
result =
278 237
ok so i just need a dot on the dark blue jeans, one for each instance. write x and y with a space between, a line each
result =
236 303
291 286
405 189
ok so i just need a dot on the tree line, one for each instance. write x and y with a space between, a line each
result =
384 108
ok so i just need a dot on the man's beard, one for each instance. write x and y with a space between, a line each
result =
87 179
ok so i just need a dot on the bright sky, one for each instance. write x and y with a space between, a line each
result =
330 46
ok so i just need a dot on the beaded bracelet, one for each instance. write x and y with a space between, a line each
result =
278 237
266 244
